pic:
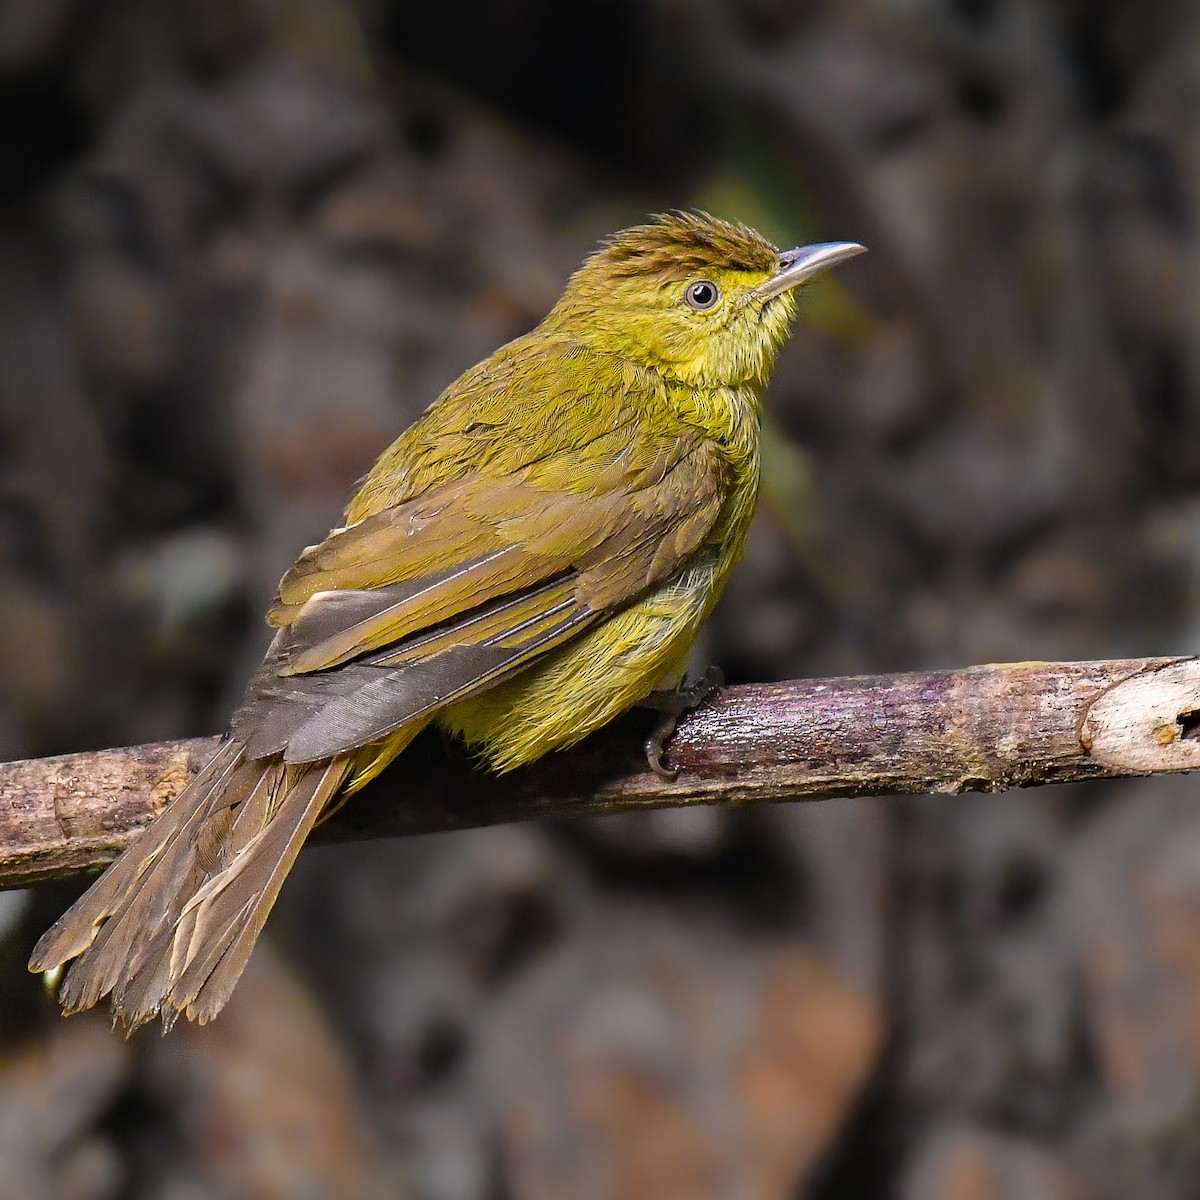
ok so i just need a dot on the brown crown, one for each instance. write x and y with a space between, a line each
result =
682 243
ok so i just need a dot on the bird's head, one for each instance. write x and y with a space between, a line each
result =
704 301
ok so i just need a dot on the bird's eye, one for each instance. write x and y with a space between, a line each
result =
701 295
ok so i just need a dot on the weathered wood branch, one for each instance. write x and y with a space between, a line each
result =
980 729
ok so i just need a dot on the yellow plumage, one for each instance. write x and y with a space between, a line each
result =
532 557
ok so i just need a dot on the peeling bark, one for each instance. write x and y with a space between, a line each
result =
984 728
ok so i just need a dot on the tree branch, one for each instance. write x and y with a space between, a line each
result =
980 729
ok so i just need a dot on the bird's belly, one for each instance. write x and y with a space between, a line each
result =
583 685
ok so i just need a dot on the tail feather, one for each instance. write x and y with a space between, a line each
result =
77 928
251 816
125 925
169 927
231 909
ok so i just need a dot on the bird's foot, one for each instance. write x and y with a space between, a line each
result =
672 703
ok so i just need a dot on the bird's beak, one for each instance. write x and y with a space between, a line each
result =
796 266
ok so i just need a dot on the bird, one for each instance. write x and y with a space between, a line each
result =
533 556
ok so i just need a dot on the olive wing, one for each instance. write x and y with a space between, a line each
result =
439 598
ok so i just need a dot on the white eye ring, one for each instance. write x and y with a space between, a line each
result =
701 295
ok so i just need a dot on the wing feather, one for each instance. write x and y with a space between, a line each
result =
443 596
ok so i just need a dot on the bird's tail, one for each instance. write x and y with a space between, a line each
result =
167 929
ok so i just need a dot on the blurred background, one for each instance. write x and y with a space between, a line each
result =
243 243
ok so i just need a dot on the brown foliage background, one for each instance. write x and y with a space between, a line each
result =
242 244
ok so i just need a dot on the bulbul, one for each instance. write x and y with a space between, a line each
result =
530 558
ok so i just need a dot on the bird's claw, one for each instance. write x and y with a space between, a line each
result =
672 703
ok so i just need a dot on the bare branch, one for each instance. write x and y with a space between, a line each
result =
980 729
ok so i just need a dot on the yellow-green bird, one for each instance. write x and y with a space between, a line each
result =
532 557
